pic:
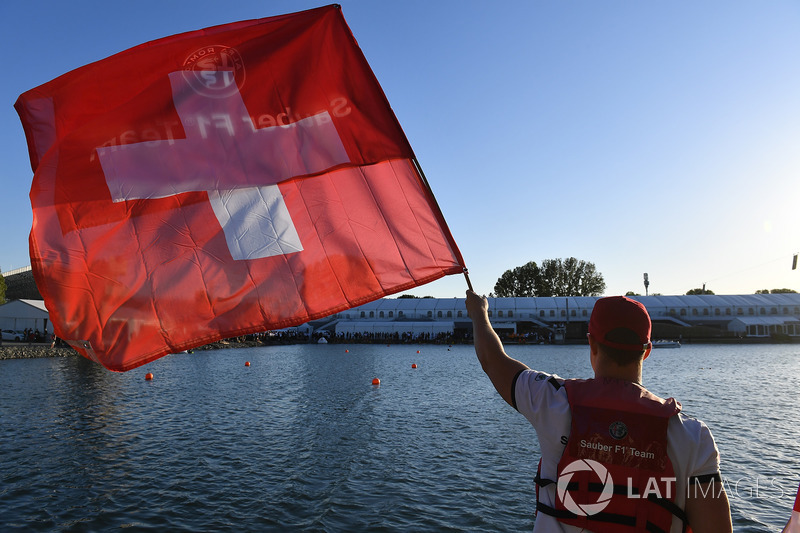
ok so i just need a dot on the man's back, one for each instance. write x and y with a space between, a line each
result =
542 399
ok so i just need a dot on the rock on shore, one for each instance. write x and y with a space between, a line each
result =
30 351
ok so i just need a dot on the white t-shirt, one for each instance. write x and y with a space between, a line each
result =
690 446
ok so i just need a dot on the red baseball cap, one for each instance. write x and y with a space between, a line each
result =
620 312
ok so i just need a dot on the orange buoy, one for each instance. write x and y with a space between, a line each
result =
413 365
148 376
247 363
376 381
347 351
417 351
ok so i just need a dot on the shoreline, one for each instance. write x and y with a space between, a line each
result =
18 350
33 351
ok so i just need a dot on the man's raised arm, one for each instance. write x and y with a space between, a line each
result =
500 368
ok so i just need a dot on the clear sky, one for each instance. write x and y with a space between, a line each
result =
658 137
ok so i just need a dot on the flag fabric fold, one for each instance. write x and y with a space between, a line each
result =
237 179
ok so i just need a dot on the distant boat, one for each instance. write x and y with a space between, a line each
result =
666 344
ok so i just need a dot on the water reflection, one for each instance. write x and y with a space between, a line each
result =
301 439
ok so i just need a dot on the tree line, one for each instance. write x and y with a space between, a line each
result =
568 277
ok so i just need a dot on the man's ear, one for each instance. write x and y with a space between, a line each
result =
648 350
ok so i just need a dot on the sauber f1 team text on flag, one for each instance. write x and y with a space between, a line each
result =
237 179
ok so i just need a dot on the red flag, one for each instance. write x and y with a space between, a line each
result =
232 180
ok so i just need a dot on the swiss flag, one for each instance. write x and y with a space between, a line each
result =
232 180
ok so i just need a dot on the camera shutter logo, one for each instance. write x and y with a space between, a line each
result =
585 509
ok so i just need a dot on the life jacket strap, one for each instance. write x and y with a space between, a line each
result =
611 517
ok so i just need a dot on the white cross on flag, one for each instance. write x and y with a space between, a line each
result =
232 180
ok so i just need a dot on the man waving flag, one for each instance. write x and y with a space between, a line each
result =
231 180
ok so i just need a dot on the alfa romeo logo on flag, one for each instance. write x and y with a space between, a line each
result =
585 509
203 63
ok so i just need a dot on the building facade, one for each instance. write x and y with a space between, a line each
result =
754 315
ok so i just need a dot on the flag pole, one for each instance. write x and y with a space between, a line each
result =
469 283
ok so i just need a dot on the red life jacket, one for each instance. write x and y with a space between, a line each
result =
615 475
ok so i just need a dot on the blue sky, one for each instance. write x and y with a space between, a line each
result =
658 137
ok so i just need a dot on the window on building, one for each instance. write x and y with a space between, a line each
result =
717 312
391 314
372 314
500 313
430 314
573 313
400 313
552 312
541 313
380 314
439 314
363 314
510 314
460 314
449 314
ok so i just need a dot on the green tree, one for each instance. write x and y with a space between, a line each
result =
777 291
556 277
698 292
520 281
2 290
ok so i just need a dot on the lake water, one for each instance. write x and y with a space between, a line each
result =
302 441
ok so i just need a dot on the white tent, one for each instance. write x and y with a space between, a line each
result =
25 314
414 328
